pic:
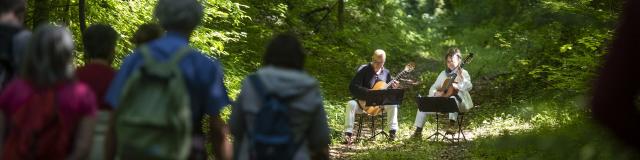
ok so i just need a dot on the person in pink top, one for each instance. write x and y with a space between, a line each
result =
57 113
99 48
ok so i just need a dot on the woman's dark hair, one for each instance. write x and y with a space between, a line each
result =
16 6
100 42
451 52
49 56
285 51
146 33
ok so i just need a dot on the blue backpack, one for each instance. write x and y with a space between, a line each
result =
272 137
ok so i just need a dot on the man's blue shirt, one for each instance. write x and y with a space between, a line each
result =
203 75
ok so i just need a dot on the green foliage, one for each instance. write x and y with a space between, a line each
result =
531 57
576 140
557 43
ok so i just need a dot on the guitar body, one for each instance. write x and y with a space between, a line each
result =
379 85
450 92
373 110
447 91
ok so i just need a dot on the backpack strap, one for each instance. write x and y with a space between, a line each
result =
258 85
259 88
146 55
180 54
56 112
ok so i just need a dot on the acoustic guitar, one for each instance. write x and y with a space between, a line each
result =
381 85
447 90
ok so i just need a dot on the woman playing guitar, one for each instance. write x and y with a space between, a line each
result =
453 82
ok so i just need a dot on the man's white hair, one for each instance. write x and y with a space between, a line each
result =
379 53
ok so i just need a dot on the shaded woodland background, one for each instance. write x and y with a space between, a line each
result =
532 71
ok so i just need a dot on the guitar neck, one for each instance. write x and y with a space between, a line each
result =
395 78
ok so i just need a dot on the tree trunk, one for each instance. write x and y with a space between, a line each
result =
40 12
82 20
340 13
448 5
66 16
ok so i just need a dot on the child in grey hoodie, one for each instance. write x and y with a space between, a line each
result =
282 75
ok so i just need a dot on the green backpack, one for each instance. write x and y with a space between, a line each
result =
153 117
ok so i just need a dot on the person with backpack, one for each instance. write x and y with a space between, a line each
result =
279 113
99 47
44 112
163 90
13 38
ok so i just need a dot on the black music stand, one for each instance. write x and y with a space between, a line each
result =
438 105
383 97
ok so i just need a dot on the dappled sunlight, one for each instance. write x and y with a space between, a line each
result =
382 149
525 127
500 126
528 83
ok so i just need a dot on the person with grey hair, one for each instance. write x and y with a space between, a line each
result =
202 74
364 80
179 16
44 108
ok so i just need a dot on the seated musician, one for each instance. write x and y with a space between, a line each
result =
363 81
462 84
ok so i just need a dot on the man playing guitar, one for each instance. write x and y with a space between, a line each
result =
458 89
364 81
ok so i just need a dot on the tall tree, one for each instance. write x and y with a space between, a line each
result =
340 13
81 8
66 16
41 12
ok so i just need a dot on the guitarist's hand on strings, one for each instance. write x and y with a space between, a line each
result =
455 85
394 84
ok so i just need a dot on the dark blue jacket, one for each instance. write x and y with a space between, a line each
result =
364 80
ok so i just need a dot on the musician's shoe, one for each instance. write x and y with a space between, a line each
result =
348 138
392 135
417 134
